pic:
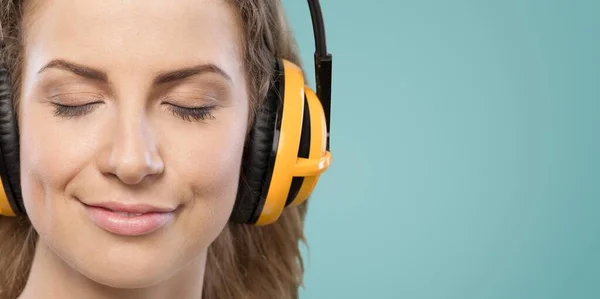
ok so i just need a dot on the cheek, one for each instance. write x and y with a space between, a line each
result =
212 165
51 154
210 169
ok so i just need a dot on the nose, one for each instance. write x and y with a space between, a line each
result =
133 152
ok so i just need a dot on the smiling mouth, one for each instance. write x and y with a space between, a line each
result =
130 219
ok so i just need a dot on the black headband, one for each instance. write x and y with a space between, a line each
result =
322 61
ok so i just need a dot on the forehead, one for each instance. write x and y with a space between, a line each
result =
133 34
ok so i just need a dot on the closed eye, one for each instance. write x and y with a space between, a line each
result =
192 113
70 111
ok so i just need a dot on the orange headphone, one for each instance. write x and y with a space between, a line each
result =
286 152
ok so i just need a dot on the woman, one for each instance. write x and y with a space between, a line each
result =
139 130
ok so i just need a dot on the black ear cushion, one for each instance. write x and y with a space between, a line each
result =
259 153
9 145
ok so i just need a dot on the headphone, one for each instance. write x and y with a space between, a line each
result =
286 152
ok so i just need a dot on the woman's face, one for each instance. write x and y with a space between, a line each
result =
128 108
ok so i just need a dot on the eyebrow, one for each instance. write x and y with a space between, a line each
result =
183 73
77 69
162 78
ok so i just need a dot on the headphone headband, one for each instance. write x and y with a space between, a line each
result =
323 62
318 27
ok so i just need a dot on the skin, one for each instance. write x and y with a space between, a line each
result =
129 147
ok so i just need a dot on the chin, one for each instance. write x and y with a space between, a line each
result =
108 262
123 277
126 262
127 276
128 266
131 262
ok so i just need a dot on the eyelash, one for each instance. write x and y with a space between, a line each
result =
195 113
72 111
188 114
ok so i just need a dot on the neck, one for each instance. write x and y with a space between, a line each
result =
51 277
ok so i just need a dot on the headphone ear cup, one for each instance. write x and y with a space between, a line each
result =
285 151
9 149
259 155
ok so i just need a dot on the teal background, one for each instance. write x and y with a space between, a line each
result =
466 150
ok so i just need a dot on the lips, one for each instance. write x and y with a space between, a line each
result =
132 208
129 219
128 214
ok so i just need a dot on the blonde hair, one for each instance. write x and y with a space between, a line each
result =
244 262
